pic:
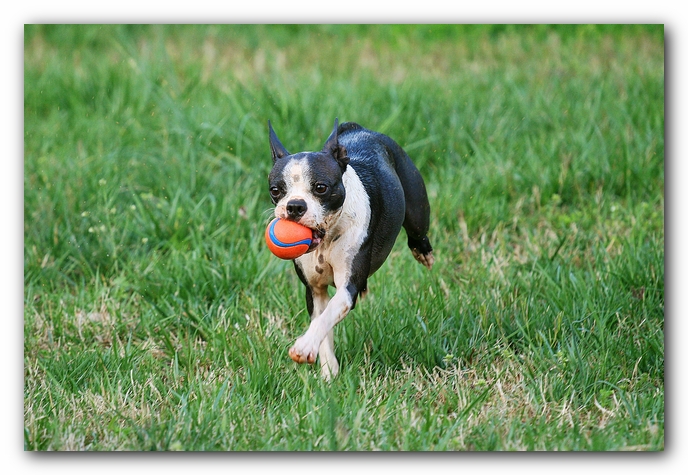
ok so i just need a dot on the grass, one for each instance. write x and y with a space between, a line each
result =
155 318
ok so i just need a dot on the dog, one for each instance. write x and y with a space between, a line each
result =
355 195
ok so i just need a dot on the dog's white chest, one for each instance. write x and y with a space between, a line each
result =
330 263
317 268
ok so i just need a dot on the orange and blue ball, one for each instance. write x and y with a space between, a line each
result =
287 239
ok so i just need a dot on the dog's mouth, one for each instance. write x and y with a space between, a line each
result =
318 236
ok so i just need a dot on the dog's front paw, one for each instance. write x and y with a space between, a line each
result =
304 351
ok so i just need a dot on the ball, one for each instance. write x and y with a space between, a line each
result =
287 239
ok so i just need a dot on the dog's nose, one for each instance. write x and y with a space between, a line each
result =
296 209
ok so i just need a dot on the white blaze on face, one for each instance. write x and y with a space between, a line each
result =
297 180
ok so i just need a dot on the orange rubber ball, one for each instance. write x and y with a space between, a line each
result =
287 239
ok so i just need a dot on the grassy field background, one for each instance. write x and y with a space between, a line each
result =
155 318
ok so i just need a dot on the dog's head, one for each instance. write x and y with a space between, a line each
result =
307 187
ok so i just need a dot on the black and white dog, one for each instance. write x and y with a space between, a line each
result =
355 195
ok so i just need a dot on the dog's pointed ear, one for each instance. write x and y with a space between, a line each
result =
333 147
276 147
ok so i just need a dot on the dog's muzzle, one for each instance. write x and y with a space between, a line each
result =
296 209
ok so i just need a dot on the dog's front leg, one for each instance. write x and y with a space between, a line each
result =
319 338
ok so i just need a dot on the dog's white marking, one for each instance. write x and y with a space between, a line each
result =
297 180
295 172
330 264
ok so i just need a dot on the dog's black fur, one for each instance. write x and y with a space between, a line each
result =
355 195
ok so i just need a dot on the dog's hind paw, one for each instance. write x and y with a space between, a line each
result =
422 251
329 369
426 259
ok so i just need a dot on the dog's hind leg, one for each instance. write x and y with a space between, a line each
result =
329 365
417 216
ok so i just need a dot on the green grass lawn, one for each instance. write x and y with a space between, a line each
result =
155 318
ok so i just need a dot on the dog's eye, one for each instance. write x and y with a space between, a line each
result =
275 192
320 188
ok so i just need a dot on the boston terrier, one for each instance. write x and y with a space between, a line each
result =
355 195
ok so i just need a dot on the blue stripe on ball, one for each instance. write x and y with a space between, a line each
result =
279 243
